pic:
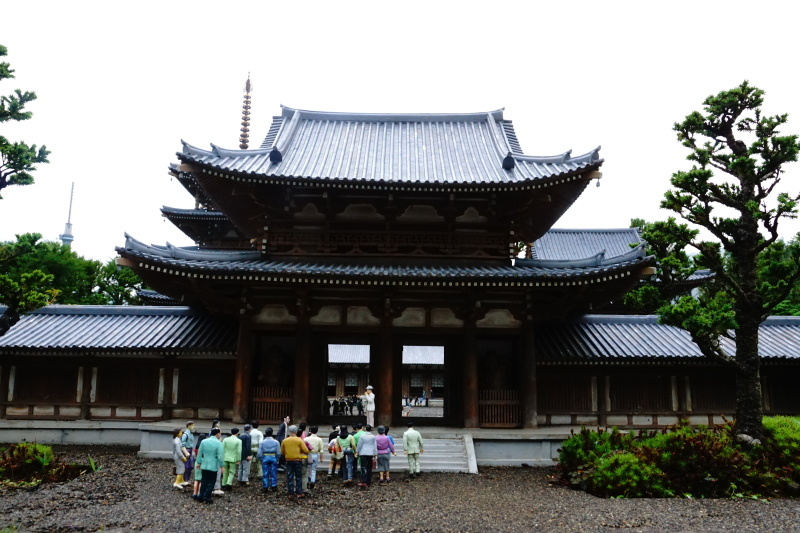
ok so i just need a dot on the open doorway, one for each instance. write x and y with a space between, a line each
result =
424 385
348 377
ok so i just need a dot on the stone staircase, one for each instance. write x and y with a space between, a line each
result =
440 455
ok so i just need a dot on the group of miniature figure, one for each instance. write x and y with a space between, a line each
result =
211 464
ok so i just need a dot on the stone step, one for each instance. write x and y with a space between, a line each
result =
440 455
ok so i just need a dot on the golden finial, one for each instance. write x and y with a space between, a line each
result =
245 136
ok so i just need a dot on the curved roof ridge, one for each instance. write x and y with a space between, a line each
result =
570 244
589 157
146 310
396 150
479 116
171 251
378 267
191 211
598 259
503 148
139 246
285 134
192 252
593 230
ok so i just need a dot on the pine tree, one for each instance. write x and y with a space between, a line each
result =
732 192
17 159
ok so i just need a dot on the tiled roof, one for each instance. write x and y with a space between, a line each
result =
150 297
120 329
207 263
566 244
463 149
612 337
588 339
192 214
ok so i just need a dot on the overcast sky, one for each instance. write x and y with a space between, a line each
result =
120 84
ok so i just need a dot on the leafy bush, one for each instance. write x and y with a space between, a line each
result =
588 445
23 460
698 460
578 454
625 474
684 460
28 464
778 457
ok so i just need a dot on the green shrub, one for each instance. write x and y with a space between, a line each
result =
585 447
29 464
625 474
778 457
696 460
701 461
25 460
783 440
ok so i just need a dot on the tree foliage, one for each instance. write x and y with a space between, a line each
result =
117 285
34 273
17 159
667 241
732 192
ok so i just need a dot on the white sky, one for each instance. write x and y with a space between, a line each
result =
120 84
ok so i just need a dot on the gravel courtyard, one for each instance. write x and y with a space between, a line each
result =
135 494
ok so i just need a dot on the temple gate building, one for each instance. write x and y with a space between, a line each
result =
395 233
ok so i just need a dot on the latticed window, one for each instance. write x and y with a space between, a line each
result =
437 380
416 380
351 379
331 379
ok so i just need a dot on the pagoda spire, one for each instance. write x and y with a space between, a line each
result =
245 136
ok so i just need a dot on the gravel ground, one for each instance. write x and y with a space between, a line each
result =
136 494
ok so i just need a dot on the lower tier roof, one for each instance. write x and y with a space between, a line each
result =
252 266
139 331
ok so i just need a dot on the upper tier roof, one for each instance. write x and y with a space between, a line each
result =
392 148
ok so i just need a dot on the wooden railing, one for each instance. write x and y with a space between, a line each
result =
270 404
499 408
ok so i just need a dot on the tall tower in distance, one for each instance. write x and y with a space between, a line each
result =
67 237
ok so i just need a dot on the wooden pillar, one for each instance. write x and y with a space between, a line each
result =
470 385
384 373
3 390
241 377
528 381
169 384
302 367
687 393
86 375
340 377
606 400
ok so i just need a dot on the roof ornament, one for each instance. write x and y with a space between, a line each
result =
244 138
508 162
275 155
